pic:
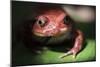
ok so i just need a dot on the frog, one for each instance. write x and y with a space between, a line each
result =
57 24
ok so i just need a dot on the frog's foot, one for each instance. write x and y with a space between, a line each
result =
77 45
45 48
72 52
39 50
36 51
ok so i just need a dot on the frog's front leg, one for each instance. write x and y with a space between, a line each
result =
77 45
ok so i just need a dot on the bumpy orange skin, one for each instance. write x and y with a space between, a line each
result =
54 24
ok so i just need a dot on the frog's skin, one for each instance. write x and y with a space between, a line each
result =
57 24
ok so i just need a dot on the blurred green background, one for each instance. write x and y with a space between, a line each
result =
23 56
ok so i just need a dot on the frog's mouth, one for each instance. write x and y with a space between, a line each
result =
40 37
39 34
50 34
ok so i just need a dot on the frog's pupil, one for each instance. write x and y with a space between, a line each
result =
40 22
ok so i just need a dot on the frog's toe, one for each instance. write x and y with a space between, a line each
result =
69 53
66 54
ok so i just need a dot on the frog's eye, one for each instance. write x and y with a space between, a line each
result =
67 20
41 22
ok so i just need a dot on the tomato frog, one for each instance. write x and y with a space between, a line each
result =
57 24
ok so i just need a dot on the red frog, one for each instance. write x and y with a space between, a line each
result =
55 22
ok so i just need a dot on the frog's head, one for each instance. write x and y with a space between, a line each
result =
51 23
